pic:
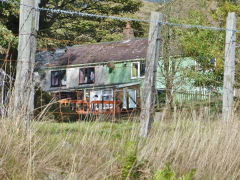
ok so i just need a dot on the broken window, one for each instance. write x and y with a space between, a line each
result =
132 98
96 95
87 76
138 69
58 78
142 68
67 95
107 95
129 98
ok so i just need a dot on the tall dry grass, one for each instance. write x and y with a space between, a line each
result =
100 150
210 147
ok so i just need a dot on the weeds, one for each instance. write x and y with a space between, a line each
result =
169 174
104 150
131 166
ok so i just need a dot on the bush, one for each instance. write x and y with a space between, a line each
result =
169 174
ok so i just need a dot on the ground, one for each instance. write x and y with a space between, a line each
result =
183 146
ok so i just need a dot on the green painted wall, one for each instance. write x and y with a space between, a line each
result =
120 74
181 81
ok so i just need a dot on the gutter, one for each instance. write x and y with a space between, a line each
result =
88 64
113 86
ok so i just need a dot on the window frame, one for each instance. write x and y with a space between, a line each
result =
84 75
60 82
130 99
126 98
138 70
110 94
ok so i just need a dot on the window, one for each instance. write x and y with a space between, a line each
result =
101 95
132 98
86 76
138 69
58 78
107 95
129 98
135 70
142 68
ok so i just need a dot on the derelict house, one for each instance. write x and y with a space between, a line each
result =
99 78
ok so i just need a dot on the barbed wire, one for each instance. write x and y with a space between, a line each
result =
69 12
85 66
181 98
114 18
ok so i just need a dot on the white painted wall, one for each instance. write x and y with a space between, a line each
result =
46 82
100 75
72 77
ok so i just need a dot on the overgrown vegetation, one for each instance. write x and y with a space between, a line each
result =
168 174
76 29
192 149
187 145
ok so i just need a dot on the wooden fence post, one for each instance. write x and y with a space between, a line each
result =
28 27
148 100
229 67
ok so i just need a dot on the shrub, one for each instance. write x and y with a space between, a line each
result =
169 174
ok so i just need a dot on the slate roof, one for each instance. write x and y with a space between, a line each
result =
96 53
44 58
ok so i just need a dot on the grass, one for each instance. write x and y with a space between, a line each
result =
105 150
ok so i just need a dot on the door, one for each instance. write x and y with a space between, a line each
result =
132 98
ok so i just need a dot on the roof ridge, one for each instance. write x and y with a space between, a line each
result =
108 42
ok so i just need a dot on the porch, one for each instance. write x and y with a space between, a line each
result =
101 101
93 107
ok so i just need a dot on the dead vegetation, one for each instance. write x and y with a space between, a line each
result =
104 150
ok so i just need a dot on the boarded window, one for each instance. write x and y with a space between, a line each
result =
58 78
87 76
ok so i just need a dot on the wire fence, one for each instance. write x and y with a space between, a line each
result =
79 87
70 12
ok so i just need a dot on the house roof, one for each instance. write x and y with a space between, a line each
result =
102 52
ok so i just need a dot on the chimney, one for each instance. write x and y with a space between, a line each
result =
128 32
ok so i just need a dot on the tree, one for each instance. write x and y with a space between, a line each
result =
173 74
207 46
6 39
74 27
